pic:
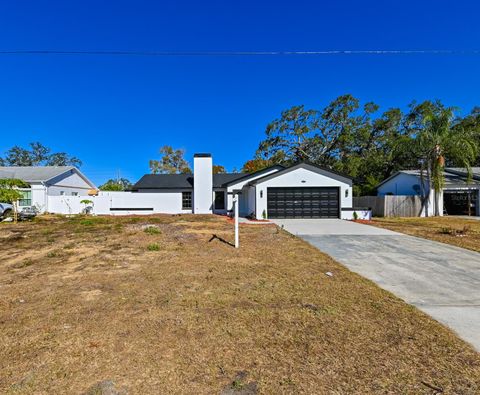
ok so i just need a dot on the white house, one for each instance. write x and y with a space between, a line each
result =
303 190
460 196
47 181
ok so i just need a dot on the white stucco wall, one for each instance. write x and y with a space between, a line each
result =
304 176
169 202
39 197
246 191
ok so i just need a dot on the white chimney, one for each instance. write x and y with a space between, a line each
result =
202 184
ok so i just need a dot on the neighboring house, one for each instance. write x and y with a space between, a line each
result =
303 190
47 181
460 196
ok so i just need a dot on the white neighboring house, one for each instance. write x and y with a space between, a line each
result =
46 181
459 196
303 190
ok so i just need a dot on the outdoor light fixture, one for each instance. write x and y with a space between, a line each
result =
261 194
346 193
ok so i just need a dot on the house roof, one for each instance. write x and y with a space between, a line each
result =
33 173
453 176
463 171
181 181
222 180
285 169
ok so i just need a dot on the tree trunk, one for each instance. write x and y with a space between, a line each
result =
437 203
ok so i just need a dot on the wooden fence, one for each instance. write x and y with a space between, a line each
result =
391 206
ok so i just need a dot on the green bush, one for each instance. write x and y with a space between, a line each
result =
153 247
152 230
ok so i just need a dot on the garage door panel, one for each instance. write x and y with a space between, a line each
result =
303 202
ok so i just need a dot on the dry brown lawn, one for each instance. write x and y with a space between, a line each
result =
460 232
178 310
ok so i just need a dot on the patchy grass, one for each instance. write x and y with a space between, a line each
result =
153 247
199 316
460 232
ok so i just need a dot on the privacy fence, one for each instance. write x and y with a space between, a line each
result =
116 203
391 206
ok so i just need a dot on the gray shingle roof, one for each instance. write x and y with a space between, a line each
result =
454 176
180 181
33 173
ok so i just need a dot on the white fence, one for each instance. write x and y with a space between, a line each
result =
118 203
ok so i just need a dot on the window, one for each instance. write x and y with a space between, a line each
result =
26 199
219 200
62 193
74 193
186 200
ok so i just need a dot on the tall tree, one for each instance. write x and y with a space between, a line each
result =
172 161
253 165
37 155
120 184
288 137
438 140
218 169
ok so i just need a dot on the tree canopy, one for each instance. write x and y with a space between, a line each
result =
172 161
218 169
9 192
37 155
119 185
357 139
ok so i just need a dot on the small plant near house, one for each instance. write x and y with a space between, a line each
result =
87 208
355 216
153 247
264 214
152 230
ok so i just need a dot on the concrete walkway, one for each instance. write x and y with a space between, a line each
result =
439 279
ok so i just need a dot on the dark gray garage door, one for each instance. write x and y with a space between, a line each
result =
303 202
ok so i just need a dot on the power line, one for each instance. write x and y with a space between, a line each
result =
243 53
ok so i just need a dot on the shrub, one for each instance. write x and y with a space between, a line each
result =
152 230
153 247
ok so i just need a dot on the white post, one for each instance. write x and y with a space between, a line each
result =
235 202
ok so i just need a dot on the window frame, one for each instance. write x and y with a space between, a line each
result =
187 196
24 192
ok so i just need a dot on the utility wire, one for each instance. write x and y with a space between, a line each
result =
243 53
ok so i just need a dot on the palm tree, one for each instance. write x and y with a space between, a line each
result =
439 139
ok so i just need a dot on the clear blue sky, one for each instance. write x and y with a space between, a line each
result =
115 112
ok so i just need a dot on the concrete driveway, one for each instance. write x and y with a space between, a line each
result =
439 279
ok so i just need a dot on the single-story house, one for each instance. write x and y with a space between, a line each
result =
303 190
47 181
460 196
